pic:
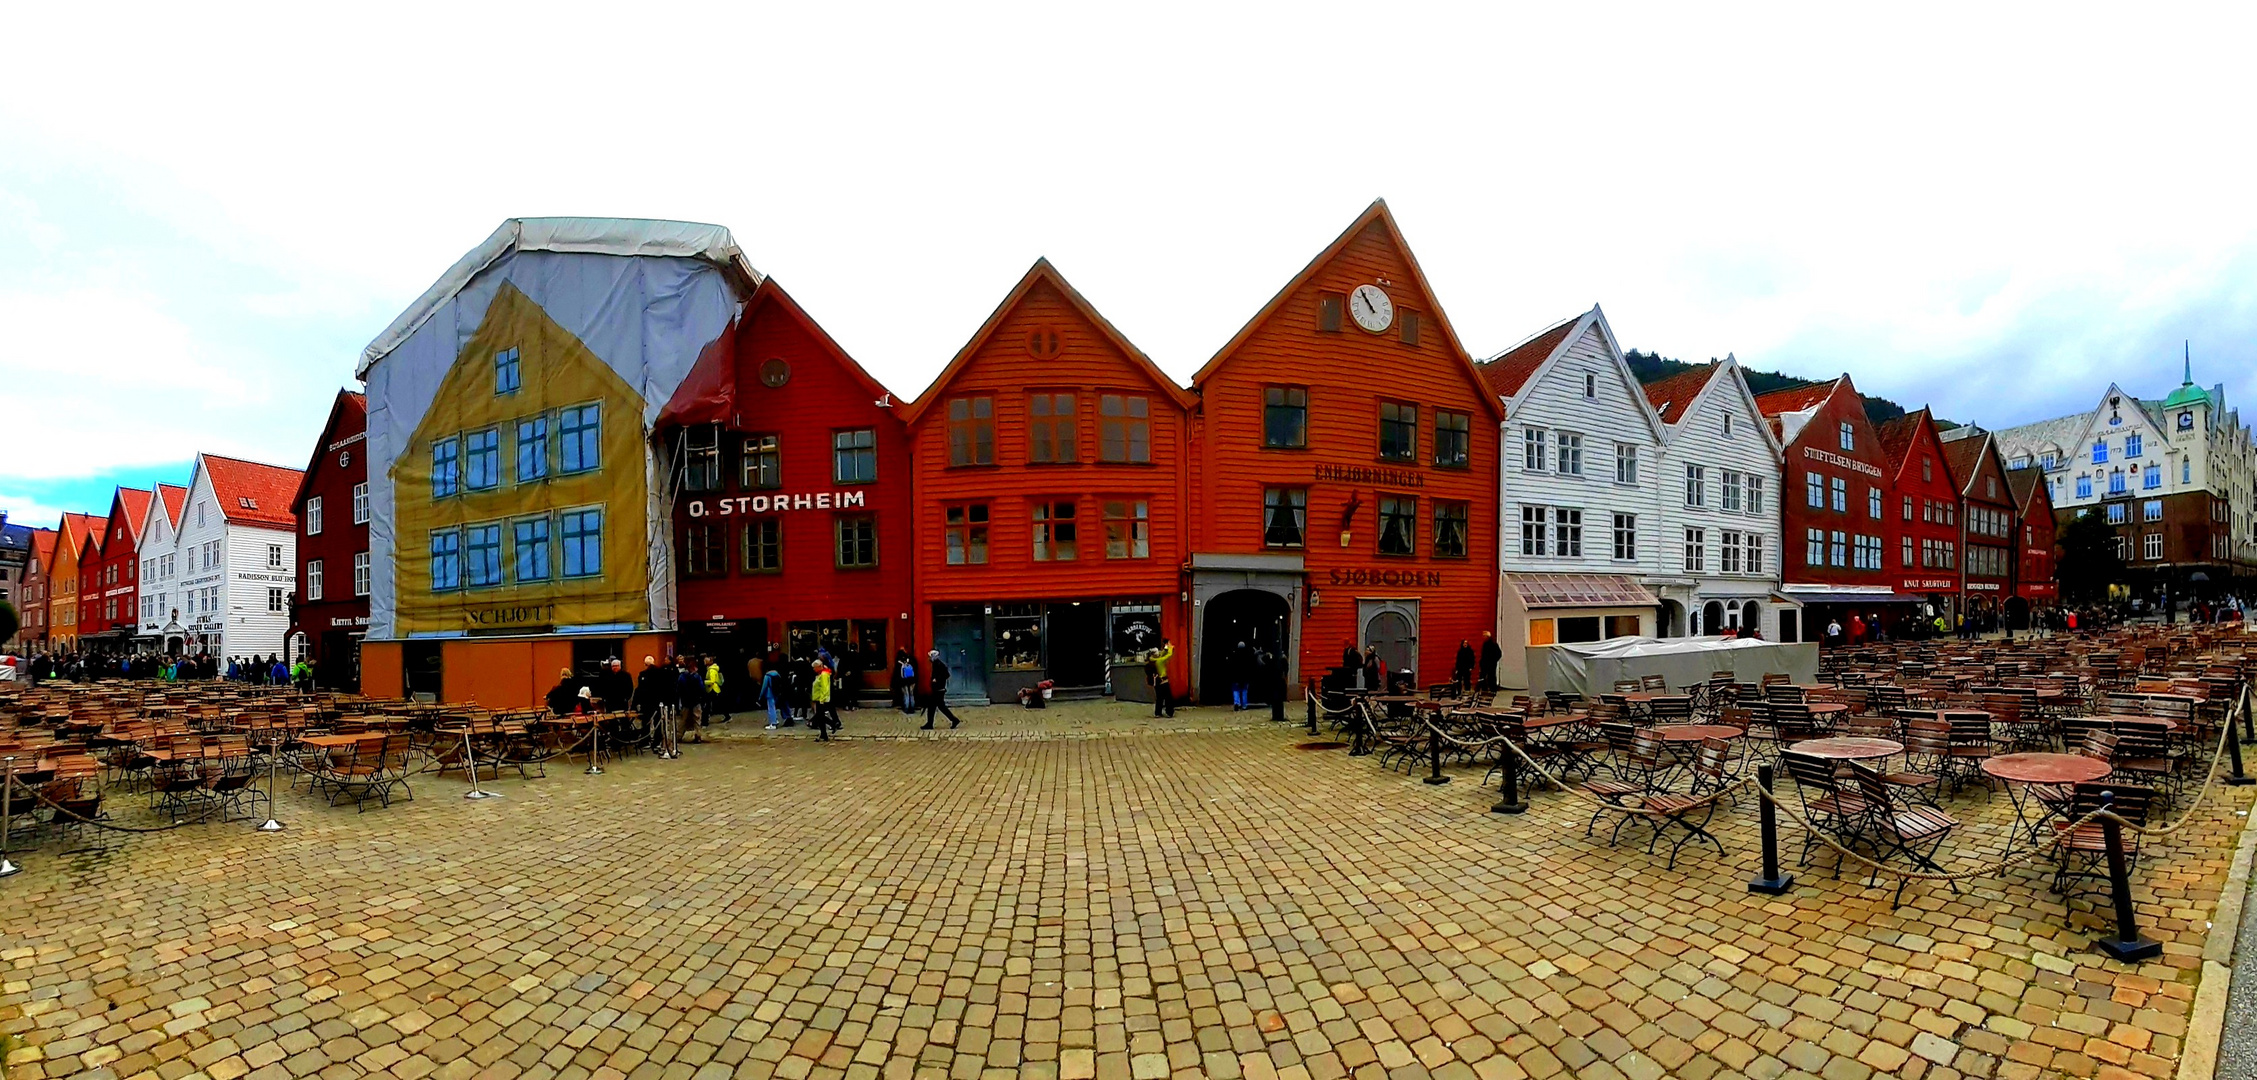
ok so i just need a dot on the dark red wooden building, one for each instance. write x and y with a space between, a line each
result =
1836 528
1050 496
2035 588
1346 479
1925 500
1987 523
116 593
330 615
791 479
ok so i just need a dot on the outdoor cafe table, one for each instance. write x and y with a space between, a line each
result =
2023 771
1693 733
1648 697
1848 748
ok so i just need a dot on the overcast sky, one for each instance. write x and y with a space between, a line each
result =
204 217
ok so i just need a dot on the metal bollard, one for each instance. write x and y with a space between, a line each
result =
1311 698
595 746
470 758
7 818
2248 722
273 766
2233 747
2127 945
1434 750
1772 883
1508 795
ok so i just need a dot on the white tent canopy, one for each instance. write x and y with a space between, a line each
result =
1593 667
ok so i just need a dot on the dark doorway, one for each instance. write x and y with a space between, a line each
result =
1251 616
1078 657
420 671
1712 619
339 667
962 642
733 644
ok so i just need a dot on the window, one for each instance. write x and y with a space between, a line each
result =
1837 548
1841 495
1873 503
1571 454
506 378
1407 327
446 474
1868 554
583 543
446 562
313 519
482 459
1814 489
482 555
2084 487
2151 477
1054 531
360 573
2048 462
2151 545
313 581
1625 463
1285 417
763 542
1728 552
1283 513
200 506
854 456
529 539
360 503
1534 446
579 432
1727 425
273 558
1728 488
533 454
2151 510
1696 550
1567 533
2100 451
857 542
1755 494
1127 529
1328 312
971 431
1124 428
2186 470
1398 525
1626 536
2131 446
2116 482
2116 513
277 601
1696 485
1398 431
1590 385
1754 560
1849 436
1451 520
763 463
1453 439
1534 531
966 534
1050 429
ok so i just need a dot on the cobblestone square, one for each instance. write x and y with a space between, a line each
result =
1081 893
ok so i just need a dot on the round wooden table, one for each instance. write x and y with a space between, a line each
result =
2022 772
1826 708
1685 733
1848 748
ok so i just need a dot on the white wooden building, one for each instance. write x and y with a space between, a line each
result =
234 561
1717 506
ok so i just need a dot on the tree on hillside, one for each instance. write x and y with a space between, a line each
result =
2090 561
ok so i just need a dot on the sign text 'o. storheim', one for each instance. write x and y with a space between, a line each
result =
776 504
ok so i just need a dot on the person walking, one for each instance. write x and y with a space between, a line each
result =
1461 670
713 690
1163 689
771 689
654 688
1492 654
1274 677
936 693
1241 677
819 702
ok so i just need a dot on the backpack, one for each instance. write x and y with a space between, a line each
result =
908 671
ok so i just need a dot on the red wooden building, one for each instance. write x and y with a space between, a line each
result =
1050 495
2035 588
1987 514
791 512
1346 478
93 629
330 615
121 578
1925 500
1836 528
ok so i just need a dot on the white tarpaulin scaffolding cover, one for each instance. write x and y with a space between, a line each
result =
511 485
1594 666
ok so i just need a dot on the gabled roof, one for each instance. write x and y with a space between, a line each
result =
43 547
1376 212
1965 456
347 403
1508 371
2025 484
133 505
174 497
1042 271
709 392
77 529
252 493
1673 395
1898 435
1796 398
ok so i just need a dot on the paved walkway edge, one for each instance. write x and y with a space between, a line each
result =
2198 1058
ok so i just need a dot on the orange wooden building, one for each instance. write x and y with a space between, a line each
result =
1049 459
1346 473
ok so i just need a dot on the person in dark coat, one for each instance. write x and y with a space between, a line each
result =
1242 664
654 690
1274 675
1461 669
936 694
613 686
1491 655
564 697
1351 658
1375 671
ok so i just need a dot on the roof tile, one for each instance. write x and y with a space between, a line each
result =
253 493
1508 371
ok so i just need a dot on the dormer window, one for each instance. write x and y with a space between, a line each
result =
246 502
1849 436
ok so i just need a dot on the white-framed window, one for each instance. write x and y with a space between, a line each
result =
360 573
1868 554
274 556
1754 558
1625 537
2151 510
1567 539
1696 485
1696 550
313 517
1534 445
1535 533
1908 553
1873 503
2131 445
1571 454
1841 495
1730 490
360 503
1625 463
1837 548
313 580
2151 545
1755 494
2116 513
1727 425
277 599
1849 436
1728 552
1590 385
1814 490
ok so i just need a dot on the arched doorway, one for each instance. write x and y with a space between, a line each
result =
2017 613
1751 617
1394 632
1671 623
1712 618
1254 617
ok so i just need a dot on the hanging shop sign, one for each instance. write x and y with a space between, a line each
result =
777 504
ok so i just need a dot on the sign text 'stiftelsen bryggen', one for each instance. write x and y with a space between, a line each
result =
776 504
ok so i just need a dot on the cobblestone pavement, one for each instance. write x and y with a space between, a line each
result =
1194 898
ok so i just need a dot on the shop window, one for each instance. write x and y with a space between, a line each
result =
1622 626
507 378
1451 521
360 503
583 543
1398 522
762 466
857 542
1284 516
580 439
1127 527
1124 428
1050 429
532 449
360 573
701 458
1626 537
1579 628
1136 631
971 431
1285 417
1398 431
1453 439
1018 642
1328 312
763 543
482 555
705 550
446 472
313 581
1542 631
966 534
1054 531
854 456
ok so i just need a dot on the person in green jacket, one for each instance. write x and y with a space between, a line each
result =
819 700
713 689
1163 691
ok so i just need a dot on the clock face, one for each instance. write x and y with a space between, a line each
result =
1371 308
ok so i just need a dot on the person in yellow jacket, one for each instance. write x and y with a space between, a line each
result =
713 691
1163 691
819 698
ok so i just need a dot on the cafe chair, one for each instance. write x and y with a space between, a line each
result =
1839 814
1915 832
1667 809
2083 850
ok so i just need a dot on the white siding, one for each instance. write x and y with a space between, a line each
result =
252 628
1553 402
1697 438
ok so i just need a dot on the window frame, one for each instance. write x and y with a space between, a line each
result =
1398 423
1453 430
865 528
571 543
965 536
859 453
1056 532
1135 522
760 450
313 515
762 537
509 376
1397 513
579 429
971 436
1287 408
1053 438
1124 421
1291 500
1453 529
